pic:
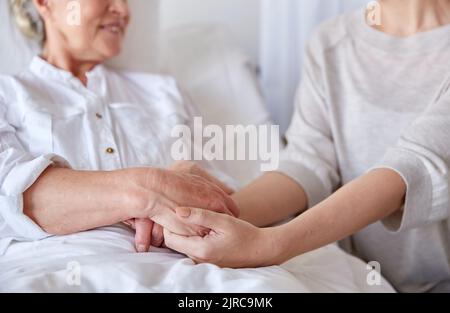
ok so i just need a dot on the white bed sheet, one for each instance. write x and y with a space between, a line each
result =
108 263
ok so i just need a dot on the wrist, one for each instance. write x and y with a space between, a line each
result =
134 191
270 251
281 246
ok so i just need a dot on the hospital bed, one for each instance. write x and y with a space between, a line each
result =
221 81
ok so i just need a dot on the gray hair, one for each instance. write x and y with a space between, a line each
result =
27 19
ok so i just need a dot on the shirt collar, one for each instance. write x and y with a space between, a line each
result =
43 69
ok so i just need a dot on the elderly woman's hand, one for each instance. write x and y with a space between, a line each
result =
65 201
193 168
184 183
150 233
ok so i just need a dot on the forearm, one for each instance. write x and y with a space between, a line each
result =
270 199
360 203
64 201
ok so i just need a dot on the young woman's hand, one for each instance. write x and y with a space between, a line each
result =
230 243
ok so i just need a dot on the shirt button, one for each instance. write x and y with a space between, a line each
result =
110 150
99 116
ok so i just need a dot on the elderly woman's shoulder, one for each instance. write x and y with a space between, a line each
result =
14 85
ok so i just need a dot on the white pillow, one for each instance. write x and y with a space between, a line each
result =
220 80
16 52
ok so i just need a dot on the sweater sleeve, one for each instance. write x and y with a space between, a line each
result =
422 158
310 157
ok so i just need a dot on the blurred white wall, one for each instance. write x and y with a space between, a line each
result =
140 51
241 17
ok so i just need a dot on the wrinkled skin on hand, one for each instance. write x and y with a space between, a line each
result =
184 184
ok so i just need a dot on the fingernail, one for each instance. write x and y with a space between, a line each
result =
141 248
184 212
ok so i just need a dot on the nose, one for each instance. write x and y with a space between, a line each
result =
120 8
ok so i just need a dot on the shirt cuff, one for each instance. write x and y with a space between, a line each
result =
307 179
427 191
23 175
17 225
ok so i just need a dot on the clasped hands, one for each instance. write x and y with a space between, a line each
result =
183 184
189 211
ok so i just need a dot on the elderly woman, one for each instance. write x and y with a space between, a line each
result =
83 146
368 154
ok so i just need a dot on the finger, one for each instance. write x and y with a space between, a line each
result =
143 235
221 203
208 219
130 223
201 172
182 244
231 205
168 219
157 235
195 191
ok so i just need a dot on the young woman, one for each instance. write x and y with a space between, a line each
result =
368 153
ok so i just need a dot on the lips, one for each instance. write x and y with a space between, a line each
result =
114 28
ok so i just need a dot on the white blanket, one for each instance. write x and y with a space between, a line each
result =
104 260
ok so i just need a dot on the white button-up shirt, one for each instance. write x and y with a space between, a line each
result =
119 120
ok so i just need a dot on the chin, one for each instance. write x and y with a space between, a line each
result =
111 52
